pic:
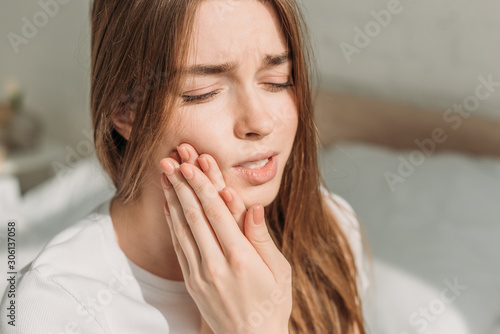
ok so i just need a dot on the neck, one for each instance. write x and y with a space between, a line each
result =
144 236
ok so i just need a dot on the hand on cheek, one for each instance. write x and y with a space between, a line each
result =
188 154
227 271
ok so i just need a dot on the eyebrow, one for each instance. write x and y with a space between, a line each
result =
267 62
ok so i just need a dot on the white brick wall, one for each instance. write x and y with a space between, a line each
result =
430 54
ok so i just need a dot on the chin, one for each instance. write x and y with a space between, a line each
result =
262 194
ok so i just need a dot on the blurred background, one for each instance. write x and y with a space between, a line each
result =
407 107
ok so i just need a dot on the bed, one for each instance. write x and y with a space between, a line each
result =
432 221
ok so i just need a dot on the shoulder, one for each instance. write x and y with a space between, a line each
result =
343 211
40 304
44 294
56 289
76 248
348 220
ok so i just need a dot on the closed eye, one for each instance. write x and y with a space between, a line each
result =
274 87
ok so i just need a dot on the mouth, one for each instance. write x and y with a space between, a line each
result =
257 161
256 164
259 171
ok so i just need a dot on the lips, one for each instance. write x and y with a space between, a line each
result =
258 176
257 157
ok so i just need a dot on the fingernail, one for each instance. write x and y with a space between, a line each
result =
165 182
169 167
258 215
228 197
183 152
204 164
187 172
166 209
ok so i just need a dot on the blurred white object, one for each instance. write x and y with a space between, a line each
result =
52 206
68 197
404 304
10 199
28 161
32 166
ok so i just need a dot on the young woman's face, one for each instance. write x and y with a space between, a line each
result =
234 114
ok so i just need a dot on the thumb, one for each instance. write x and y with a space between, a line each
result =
257 233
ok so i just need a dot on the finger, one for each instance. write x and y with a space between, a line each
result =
235 205
181 257
179 224
188 154
193 214
211 169
259 236
217 213
230 197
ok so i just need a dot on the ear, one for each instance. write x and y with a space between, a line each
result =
122 120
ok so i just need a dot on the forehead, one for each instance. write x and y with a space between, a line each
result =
228 30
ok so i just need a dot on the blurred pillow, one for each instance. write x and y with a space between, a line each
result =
10 198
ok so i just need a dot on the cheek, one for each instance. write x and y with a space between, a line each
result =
288 108
201 130
210 137
207 135
288 122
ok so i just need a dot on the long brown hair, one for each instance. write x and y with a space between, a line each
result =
137 49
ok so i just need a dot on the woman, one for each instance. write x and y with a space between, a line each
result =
202 118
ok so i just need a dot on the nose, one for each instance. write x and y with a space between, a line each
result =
254 119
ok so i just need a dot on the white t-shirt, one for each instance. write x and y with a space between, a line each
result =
82 282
